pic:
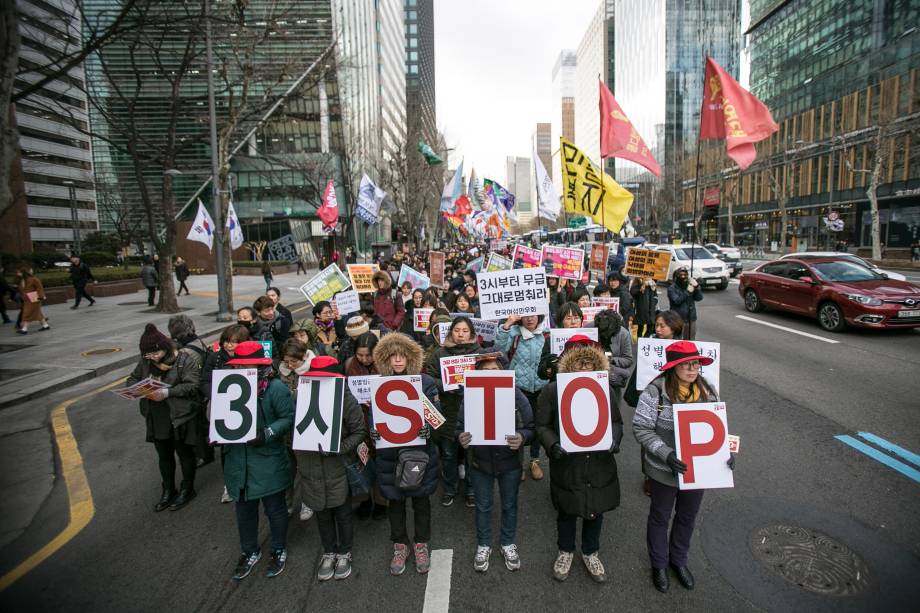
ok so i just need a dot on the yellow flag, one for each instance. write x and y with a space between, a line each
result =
588 191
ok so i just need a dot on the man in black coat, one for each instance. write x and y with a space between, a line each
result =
182 274
80 275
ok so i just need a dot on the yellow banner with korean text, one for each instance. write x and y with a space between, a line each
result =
588 191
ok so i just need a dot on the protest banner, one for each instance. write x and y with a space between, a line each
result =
141 389
489 406
701 442
558 337
436 267
498 262
650 357
416 279
326 284
486 330
525 257
360 388
266 348
397 409
432 415
453 369
563 262
498 245
504 292
475 265
420 318
362 277
598 260
347 302
645 263
441 330
233 406
591 312
318 414
589 427
607 302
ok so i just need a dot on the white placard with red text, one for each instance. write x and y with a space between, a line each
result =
701 442
591 312
651 356
585 423
420 318
397 410
489 406
607 302
558 337
453 369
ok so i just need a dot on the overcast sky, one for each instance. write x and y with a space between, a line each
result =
493 70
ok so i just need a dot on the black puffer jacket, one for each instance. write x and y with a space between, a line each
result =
497 459
583 484
450 401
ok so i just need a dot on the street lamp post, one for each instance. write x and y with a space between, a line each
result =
74 217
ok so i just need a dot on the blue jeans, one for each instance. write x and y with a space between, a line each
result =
449 450
247 520
508 484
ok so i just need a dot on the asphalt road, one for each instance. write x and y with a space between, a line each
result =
788 396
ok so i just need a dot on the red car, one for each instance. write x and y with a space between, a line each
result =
836 291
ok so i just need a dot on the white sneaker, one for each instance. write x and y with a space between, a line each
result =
512 558
562 566
225 497
595 567
305 512
481 561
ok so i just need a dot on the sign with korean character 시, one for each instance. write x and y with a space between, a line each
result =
318 414
526 257
563 262
453 369
558 337
233 406
520 291
701 442
489 406
651 356
397 410
585 423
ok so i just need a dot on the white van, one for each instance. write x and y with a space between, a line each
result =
707 269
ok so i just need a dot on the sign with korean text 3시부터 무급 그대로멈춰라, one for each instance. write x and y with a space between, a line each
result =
520 291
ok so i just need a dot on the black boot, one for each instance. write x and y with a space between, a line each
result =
169 492
186 493
660 579
684 576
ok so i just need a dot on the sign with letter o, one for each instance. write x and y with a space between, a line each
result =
398 411
233 406
701 442
584 411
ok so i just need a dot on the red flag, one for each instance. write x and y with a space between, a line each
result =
462 206
329 211
732 113
619 138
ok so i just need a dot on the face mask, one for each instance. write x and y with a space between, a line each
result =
246 324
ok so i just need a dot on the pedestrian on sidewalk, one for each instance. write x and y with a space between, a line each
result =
394 355
300 266
182 275
267 274
653 426
322 481
683 294
582 485
5 290
260 471
174 423
150 278
80 275
32 293
182 331
495 463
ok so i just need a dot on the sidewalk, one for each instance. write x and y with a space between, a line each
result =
90 341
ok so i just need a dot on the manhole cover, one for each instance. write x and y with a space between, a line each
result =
101 351
811 560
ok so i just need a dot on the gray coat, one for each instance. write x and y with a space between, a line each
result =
621 358
149 275
653 427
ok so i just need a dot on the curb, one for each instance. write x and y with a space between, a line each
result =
62 383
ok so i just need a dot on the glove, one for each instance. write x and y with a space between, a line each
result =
731 461
615 449
425 432
693 283
676 465
375 436
652 284
556 452
552 363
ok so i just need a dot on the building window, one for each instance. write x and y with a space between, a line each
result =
413 15
413 56
413 68
413 28
413 43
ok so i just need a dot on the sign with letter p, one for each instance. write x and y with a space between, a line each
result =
233 406
701 442
584 411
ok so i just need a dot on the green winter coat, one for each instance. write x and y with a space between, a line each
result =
252 472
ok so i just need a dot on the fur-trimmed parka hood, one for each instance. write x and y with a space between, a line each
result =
383 276
577 353
396 343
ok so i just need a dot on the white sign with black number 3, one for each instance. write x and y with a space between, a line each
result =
233 406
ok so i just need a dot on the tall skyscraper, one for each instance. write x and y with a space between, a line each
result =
56 154
391 61
563 119
421 113
518 181
595 59
542 144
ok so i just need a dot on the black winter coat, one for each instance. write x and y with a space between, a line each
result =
80 274
582 484
646 301
497 459
214 360
450 401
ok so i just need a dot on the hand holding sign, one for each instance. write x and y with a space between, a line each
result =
318 416
585 423
233 406
701 441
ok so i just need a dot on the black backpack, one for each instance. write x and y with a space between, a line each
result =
410 468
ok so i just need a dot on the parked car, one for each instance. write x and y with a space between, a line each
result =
728 250
835 290
707 269
847 256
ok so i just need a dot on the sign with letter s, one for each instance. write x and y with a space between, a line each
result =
318 416
701 442
233 406
489 406
398 411
584 411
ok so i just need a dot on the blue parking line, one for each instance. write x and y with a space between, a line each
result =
910 456
877 455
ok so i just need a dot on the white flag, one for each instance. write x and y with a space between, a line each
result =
203 228
452 190
236 231
369 198
546 192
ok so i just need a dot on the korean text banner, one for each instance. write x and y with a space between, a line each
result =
650 357
588 191
326 284
526 257
522 292
362 277
647 263
563 262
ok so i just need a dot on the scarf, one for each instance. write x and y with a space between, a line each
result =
325 326
305 367
688 394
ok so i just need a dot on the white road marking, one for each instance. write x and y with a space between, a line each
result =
437 591
784 328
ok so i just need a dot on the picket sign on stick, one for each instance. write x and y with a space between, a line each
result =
701 442
651 356
347 302
558 337
398 411
361 276
608 302
318 415
526 257
489 406
420 318
584 411
233 406
325 284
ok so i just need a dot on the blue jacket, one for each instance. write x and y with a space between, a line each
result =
526 357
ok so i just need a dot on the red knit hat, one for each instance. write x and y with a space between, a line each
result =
683 351
153 340
249 353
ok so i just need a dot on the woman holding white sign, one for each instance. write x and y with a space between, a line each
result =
569 315
653 426
582 483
